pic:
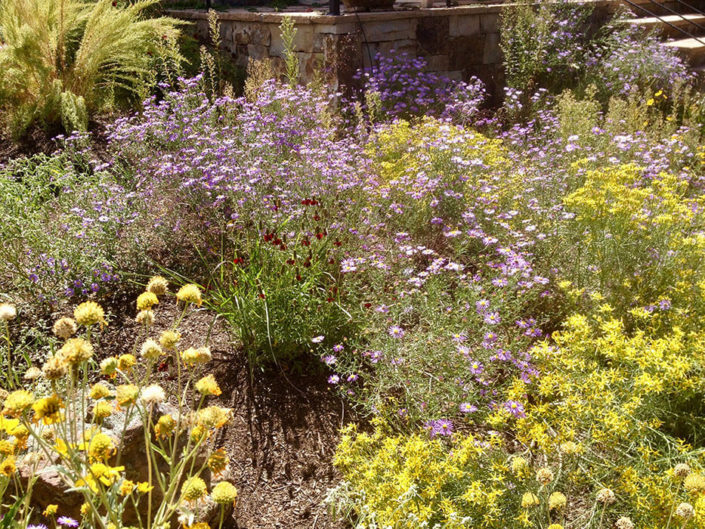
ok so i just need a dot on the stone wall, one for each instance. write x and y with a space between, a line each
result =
457 42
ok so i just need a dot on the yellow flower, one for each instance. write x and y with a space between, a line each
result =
8 466
48 409
190 294
76 351
6 447
169 339
693 483
99 391
151 350
214 416
224 493
85 509
218 462
64 328
555 526
55 367
529 500
102 410
51 510
199 433
194 489
544 476
157 285
208 386
101 447
89 313
127 394
519 465
126 362
146 300
557 501
126 487
108 366
165 426
192 357
145 317
17 402
143 487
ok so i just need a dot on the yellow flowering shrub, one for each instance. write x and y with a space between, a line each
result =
610 404
432 168
641 240
409 481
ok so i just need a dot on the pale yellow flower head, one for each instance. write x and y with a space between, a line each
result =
153 394
146 300
55 367
8 312
65 328
89 313
190 294
194 489
158 286
76 351
169 339
224 493
151 350
208 386
145 317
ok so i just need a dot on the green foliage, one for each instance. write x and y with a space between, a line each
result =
543 45
291 60
64 60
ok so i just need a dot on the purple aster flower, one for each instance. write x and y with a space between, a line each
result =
66 521
515 408
333 379
396 332
329 360
492 318
439 427
476 367
37 526
466 407
317 339
337 348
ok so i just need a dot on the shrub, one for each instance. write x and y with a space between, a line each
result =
77 429
274 219
67 230
398 86
544 45
64 60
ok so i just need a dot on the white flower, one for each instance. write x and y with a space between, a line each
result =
7 312
153 394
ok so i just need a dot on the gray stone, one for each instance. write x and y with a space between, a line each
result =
492 53
464 26
385 30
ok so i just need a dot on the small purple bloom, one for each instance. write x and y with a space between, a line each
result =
515 408
66 521
439 427
396 332
466 407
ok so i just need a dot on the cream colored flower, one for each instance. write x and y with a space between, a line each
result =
153 394
158 285
65 328
7 312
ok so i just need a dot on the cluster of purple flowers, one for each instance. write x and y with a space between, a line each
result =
406 88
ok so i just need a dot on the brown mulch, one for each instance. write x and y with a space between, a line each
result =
284 429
